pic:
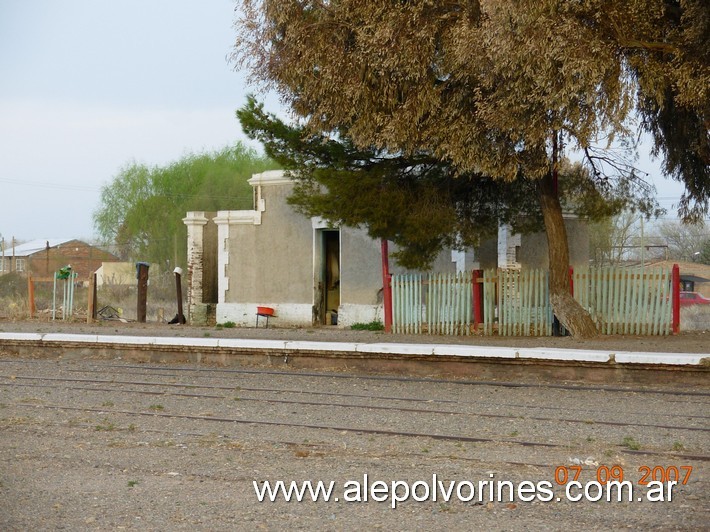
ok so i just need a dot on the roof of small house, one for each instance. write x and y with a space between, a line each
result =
34 246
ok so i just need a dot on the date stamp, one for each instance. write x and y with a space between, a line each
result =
612 483
645 474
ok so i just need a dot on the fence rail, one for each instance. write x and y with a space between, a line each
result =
407 305
517 302
449 304
626 300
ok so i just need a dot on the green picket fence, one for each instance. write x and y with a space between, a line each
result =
433 303
626 300
517 302
407 307
449 304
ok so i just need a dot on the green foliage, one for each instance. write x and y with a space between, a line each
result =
421 203
485 84
141 210
372 326
630 443
704 256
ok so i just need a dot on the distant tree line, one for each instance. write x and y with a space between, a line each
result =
141 210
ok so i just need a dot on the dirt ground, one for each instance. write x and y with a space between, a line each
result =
90 444
685 342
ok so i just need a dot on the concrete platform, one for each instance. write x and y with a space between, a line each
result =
494 362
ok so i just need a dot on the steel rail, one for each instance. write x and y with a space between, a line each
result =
374 407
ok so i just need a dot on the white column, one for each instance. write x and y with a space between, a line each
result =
195 222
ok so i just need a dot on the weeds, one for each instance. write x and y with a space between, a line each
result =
106 427
372 326
630 443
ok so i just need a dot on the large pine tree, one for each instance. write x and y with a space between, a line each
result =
495 89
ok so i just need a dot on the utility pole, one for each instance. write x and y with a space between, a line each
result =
643 247
142 295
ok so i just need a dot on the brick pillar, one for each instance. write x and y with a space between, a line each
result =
197 310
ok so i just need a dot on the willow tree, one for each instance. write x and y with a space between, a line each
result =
493 88
141 209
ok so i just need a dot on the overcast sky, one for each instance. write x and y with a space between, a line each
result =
87 86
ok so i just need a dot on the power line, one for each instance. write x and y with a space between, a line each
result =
64 186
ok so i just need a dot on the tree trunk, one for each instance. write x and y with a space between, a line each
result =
570 313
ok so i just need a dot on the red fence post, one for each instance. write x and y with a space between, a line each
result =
386 286
675 293
571 280
477 298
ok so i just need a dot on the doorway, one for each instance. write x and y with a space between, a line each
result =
330 277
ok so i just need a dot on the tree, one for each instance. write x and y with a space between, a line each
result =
420 202
141 210
666 47
458 80
684 240
704 256
611 238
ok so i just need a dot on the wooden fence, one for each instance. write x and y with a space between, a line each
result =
433 303
626 300
517 302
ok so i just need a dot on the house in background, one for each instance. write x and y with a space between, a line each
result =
41 258
121 274
694 276
310 272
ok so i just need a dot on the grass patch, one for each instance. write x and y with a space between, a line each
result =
106 427
372 326
631 443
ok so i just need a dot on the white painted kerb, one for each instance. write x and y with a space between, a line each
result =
464 351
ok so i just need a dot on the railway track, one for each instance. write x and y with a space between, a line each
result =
319 404
218 386
109 426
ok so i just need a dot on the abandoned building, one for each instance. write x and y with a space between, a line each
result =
310 272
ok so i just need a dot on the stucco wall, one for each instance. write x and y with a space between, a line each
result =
360 268
534 253
116 273
533 248
271 261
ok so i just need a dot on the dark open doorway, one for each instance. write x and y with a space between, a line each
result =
330 277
